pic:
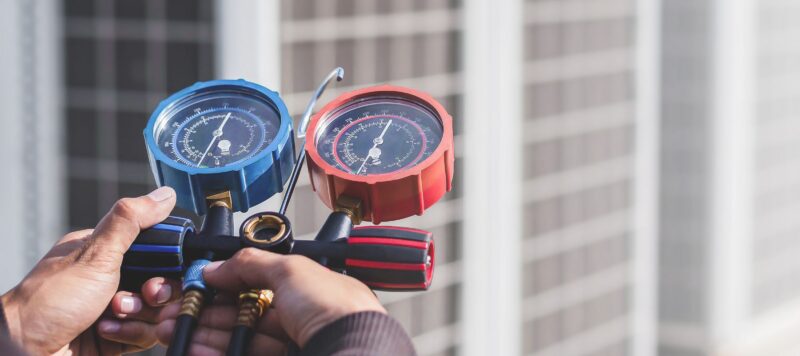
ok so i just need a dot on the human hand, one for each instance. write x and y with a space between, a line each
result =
215 328
54 307
308 297
129 323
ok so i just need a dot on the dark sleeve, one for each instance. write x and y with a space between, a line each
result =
364 333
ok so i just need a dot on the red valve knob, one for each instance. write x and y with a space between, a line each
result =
391 258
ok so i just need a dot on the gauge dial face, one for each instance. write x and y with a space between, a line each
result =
378 135
217 128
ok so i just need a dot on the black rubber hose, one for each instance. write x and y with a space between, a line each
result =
218 221
240 340
182 337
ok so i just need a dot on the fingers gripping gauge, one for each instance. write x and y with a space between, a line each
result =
389 147
221 136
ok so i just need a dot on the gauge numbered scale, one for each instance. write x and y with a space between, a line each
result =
221 136
390 147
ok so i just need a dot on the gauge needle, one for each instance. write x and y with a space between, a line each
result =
217 134
375 143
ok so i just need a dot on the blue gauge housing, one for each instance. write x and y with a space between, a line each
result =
251 176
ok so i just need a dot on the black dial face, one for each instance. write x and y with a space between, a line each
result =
378 136
217 129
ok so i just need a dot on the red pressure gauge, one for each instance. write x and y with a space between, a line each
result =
390 147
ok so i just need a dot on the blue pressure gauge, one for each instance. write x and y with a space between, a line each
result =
218 136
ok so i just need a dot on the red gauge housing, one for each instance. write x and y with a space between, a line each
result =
387 196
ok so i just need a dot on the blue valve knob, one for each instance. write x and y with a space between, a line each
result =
157 251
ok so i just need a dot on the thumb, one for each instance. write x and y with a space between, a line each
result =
115 233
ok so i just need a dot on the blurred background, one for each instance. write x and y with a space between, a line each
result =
628 171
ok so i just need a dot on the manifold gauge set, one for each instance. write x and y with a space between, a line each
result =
375 154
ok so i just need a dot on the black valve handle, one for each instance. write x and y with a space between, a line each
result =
382 257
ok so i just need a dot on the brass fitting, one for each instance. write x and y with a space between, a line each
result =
350 206
192 303
252 304
252 225
220 199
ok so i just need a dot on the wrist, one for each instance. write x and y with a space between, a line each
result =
12 317
13 310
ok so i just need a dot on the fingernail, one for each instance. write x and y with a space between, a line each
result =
129 305
161 194
164 293
109 326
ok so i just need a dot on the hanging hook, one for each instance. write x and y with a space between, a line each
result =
337 73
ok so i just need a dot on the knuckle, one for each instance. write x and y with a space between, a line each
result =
99 257
70 241
125 208
163 336
97 260
142 335
246 255
78 234
294 262
164 331
290 265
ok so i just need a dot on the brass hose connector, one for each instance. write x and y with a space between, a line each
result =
220 199
192 303
350 206
252 304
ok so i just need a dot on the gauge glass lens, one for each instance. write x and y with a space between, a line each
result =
378 135
217 128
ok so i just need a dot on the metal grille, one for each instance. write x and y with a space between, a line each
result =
121 59
578 177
